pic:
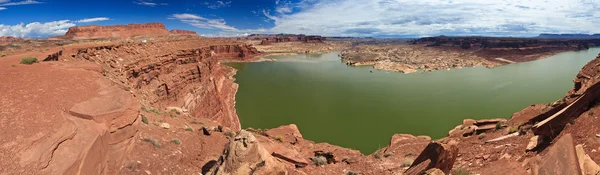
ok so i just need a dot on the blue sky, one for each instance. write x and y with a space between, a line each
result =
377 18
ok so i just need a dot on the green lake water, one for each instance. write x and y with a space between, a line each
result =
351 107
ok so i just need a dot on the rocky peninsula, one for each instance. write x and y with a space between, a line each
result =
439 53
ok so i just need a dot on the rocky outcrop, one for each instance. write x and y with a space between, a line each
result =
584 94
436 155
245 155
560 159
164 76
116 31
183 32
86 129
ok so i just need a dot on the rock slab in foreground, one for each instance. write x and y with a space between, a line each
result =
436 155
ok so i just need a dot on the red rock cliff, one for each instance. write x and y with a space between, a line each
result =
117 31
183 32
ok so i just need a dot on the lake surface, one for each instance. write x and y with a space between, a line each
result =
351 107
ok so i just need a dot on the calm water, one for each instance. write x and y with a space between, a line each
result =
351 107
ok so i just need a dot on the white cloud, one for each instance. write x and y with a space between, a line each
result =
93 19
36 29
12 3
4 3
434 17
148 3
47 29
201 22
218 4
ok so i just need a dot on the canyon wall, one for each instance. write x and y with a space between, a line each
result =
164 75
183 32
4 40
116 31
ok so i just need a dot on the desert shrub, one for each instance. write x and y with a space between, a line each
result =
13 65
154 142
460 171
29 60
144 119
377 155
409 154
499 125
513 129
351 173
188 128
229 134
407 162
2 54
176 141
319 160
388 154
481 136
279 138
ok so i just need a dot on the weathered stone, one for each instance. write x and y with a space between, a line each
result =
245 155
165 125
587 165
435 155
534 142
205 131
468 122
287 133
561 158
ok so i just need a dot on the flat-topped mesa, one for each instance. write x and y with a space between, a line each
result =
292 38
4 40
116 31
183 32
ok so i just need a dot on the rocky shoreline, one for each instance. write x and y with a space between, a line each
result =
443 53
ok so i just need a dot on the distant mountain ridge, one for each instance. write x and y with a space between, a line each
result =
570 36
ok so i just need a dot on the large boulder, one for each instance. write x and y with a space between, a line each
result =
587 165
436 155
287 133
245 155
560 159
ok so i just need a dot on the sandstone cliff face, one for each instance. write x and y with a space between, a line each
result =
183 32
162 75
85 129
117 31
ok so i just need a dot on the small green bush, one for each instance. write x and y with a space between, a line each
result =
513 129
378 155
176 141
481 136
144 119
279 138
388 154
319 160
154 142
460 171
190 129
229 134
29 60
407 162
13 65
499 125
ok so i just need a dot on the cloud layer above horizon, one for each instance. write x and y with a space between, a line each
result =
436 17
374 18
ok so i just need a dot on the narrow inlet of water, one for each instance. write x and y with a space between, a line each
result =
351 107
